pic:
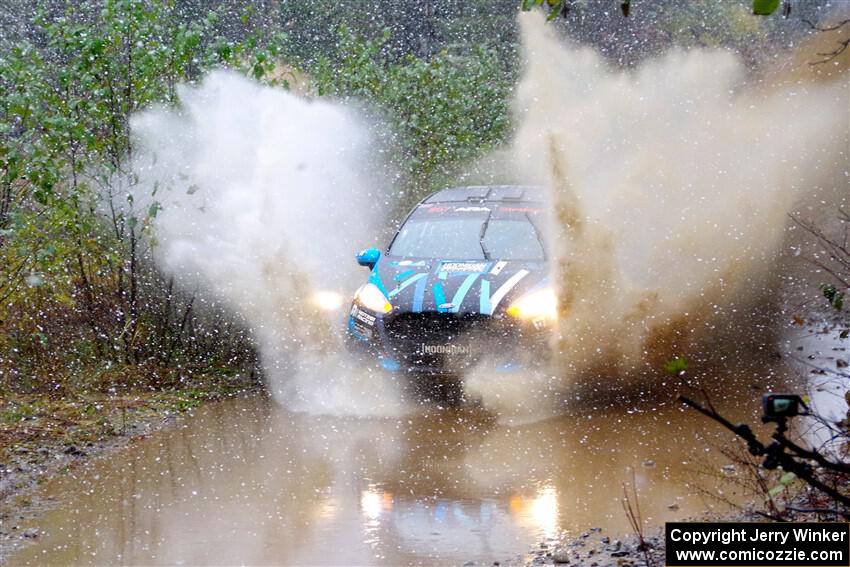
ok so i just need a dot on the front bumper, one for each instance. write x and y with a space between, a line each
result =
445 343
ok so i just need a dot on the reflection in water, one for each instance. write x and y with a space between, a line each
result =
543 512
827 385
373 504
246 482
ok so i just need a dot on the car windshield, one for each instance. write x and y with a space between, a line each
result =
458 236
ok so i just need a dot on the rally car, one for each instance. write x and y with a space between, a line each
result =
463 282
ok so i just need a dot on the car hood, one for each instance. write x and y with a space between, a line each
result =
456 286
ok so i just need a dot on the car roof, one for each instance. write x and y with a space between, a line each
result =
479 193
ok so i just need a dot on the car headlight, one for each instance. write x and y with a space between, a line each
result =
370 297
327 300
542 304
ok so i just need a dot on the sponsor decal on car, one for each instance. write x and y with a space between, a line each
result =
518 210
450 349
365 318
362 316
497 269
359 317
472 209
410 263
468 267
363 331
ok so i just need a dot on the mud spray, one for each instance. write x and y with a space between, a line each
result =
670 187
266 197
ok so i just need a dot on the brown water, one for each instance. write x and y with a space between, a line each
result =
244 481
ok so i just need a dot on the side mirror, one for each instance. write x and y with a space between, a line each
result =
369 257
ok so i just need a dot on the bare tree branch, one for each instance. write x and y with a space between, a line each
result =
837 26
842 45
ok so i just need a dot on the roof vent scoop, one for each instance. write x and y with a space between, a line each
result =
484 193
506 193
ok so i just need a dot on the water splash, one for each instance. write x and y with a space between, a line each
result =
266 195
670 187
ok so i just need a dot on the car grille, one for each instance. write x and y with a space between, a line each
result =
445 341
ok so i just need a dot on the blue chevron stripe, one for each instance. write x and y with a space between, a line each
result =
439 297
462 291
484 299
419 295
406 283
375 278
401 276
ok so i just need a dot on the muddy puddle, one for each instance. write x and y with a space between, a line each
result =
246 482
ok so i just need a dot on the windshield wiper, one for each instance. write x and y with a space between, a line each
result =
537 234
481 236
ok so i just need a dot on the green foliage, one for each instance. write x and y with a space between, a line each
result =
833 296
562 7
444 110
556 7
676 365
71 285
421 28
78 294
718 24
636 31
784 481
765 7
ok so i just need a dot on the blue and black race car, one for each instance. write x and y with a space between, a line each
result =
463 282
